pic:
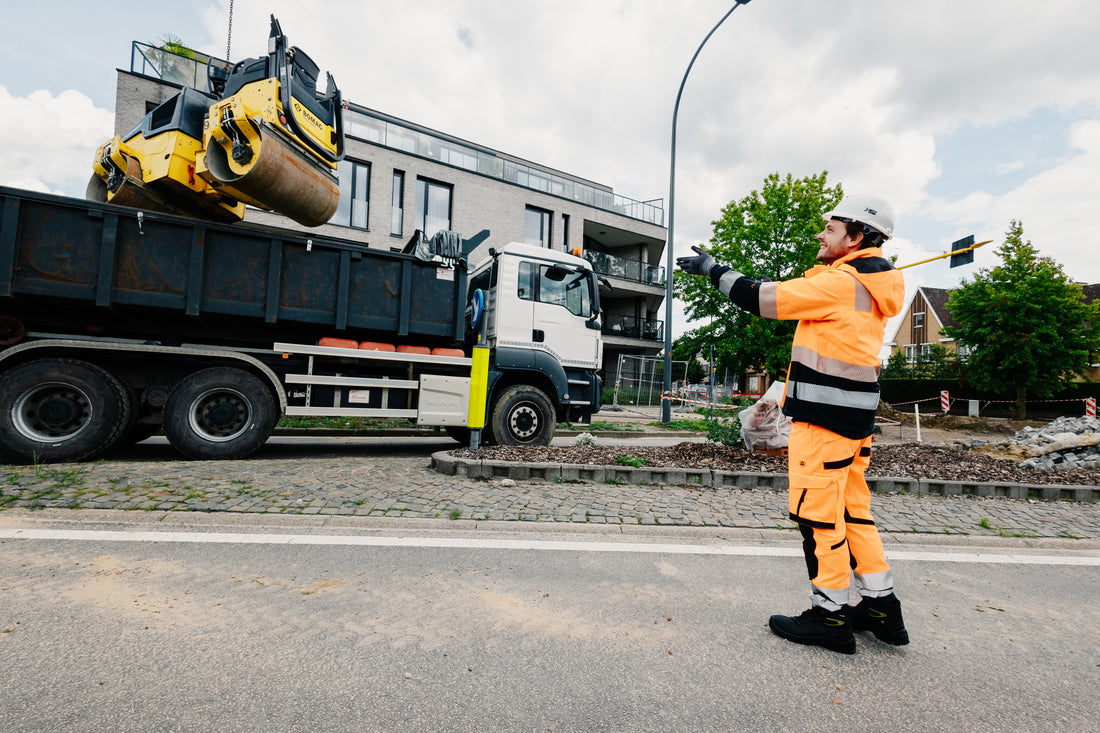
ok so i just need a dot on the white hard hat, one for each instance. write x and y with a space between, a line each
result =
874 211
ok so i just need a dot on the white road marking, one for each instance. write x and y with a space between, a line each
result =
517 544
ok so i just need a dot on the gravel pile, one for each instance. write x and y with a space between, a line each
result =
1065 444
906 460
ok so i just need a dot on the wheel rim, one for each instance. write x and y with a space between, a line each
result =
220 415
524 422
52 413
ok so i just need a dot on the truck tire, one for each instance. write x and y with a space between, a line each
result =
219 413
60 410
523 415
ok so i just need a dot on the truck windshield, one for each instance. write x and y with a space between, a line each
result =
557 286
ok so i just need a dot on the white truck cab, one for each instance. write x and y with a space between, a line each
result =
545 301
543 328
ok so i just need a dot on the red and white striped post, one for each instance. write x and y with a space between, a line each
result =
945 402
1090 407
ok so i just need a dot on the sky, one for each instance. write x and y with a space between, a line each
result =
964 114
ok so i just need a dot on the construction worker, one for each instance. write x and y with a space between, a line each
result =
831 396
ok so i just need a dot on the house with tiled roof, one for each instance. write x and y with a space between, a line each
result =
923 323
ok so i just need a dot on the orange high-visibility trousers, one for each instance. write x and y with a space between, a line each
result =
830 501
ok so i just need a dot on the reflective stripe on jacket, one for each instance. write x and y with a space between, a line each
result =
841 311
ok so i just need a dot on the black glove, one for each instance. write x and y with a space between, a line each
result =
701 264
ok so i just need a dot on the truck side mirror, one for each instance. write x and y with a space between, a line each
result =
557 274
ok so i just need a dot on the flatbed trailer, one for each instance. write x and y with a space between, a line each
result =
115 323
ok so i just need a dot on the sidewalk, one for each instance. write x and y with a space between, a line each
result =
376 483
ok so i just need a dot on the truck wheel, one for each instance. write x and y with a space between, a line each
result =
60 410
219 413
523 415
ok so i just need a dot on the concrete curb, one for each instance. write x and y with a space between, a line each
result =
448 465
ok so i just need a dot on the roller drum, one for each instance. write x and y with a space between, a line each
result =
281 179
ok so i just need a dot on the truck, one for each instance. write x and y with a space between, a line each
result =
117 323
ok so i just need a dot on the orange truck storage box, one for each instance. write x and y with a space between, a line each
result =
338 343
375 346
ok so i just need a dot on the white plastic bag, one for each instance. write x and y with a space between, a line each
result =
764 426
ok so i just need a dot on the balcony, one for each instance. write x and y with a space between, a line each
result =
624 269
632 328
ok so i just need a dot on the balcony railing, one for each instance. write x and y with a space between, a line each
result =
171 67
365 126
620 267
631 327
358 123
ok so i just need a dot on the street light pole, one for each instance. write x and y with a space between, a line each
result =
666 404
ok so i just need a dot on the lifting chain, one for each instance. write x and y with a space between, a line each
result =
229 33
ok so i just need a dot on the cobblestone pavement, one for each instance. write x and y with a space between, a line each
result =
380 481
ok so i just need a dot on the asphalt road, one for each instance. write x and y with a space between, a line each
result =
411 626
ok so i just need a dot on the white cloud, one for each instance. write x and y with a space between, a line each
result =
49 140
1010 167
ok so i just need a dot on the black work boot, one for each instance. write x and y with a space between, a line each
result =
817 627
882 617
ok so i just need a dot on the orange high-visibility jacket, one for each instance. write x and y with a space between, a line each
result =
841 311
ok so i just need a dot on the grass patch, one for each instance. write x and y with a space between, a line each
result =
695 426
634 461
604 426
345 423
67 477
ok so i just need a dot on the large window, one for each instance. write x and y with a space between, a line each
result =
917 352
557 286
433 206
536 227
397 203
354 194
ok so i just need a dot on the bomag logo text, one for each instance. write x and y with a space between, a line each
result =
302 113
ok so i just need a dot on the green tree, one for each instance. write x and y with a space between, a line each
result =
771 233
1026 322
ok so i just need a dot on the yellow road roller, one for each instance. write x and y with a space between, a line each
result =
262 136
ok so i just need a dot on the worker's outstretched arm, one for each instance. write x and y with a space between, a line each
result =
742 290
